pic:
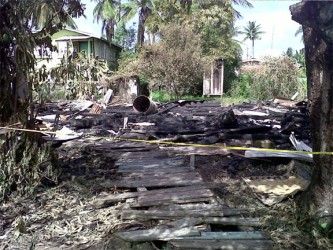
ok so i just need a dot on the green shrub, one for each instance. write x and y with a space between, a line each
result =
161 96
24 166
275 77
59 93
228 100
241 86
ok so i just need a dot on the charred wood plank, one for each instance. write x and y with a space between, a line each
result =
235 221
253 137
291 155
171 161
176 197
221 244
152 169
248 130
111 199
157 234
155 175
251 235
158 182
169 215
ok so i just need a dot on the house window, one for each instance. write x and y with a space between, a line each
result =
62 49
42 52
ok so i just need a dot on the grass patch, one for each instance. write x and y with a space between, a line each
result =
231 100
162 96
226 100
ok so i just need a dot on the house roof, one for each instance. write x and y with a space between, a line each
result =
83 35
65 38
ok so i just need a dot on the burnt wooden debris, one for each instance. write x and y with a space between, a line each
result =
164 191
158 185
250 124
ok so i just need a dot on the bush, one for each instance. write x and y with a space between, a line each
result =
241 86
24 166
276 77
175 64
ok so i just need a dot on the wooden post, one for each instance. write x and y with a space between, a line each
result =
222 78
211 90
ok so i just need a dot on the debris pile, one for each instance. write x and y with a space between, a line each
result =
146 169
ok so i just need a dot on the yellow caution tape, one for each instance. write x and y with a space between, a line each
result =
190 144
227 147
28 130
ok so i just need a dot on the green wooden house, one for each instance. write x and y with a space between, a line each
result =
91 44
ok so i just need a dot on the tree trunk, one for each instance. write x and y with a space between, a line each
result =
252 48
141 30
316 18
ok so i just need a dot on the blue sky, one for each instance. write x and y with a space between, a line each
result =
88 24
275 19
273 15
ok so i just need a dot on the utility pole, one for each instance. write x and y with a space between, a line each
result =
272 38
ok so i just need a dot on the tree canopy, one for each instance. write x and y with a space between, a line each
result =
108 12
211 20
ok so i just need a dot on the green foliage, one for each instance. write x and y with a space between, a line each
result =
176 64
289 52
19 18
107 11
228 100
79 74
163 96
276 77
24 167
125 37
23 163
214 21
164 12
299 58
241 87
210 20
58 94
142 8
4 185
230 72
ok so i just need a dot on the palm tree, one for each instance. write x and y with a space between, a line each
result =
109 13
252 32
300 31
144 9
243 3
43 13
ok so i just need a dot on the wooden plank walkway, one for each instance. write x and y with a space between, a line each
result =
173 193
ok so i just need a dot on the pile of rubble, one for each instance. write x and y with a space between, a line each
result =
150 185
